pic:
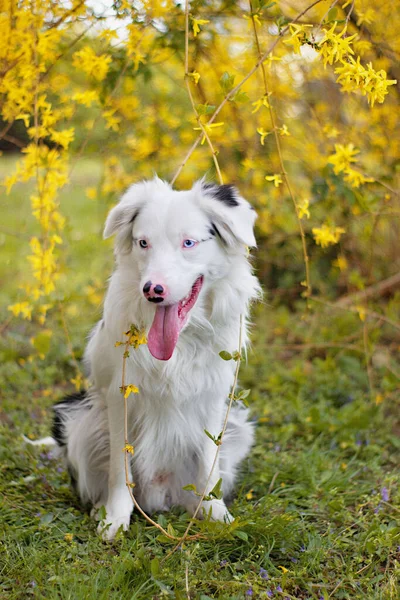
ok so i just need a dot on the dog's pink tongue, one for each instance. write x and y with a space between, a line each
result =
164 332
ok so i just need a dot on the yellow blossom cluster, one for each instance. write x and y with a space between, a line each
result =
327 235
343 157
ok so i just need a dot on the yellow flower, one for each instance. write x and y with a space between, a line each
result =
298 36
284 569
95 66
335 47
63 138
361 312
127 390
326 235
354 76
343 156
21 308
262 102
196 23
277 179
249 495
355 178
341 263
208 127
284 130
68 537
263 134
91 193
129 448
302 207
195 75
86 98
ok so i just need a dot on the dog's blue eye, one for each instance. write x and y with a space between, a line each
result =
189 243
143 244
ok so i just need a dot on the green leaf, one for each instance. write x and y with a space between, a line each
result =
270 5
239 97
205 109
155 567
227 82
46 519
332 14
42 342
243 394
163 539
216 492
171 530
225 355
242 535
190 488
161 520
102 513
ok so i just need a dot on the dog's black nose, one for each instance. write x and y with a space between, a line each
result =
158 289
146 287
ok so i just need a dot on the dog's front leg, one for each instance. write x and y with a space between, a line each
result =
216 507
119 502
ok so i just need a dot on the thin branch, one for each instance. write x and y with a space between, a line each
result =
308 289
379 289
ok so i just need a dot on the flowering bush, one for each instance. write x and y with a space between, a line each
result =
296 108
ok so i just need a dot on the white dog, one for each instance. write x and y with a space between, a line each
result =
182 273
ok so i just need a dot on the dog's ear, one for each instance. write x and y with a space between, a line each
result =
232 216
120 218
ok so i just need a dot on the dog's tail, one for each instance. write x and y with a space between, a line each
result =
238 439
81 432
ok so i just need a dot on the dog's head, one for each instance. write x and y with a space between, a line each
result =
179 243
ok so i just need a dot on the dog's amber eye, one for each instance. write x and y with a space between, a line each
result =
143 244
188 243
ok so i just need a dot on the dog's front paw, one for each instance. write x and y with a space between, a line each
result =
217 511
109 526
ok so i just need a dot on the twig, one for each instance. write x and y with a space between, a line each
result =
378 289
308 290
198 119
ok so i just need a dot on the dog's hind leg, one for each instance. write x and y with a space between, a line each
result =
238 439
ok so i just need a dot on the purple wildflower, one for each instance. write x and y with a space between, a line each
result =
223 563
249 592
269 594
263 573
385 494
279 589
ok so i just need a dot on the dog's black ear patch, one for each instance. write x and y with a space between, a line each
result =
223 193
215 232
60 409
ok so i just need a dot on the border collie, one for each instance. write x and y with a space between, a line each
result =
183 275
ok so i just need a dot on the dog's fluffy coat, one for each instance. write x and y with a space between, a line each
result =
181 397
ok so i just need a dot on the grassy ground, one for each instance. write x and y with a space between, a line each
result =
318 504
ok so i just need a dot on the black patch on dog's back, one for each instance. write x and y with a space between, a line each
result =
224 193
58 428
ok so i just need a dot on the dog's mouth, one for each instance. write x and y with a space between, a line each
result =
168 322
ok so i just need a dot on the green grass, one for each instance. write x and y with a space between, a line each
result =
318 503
